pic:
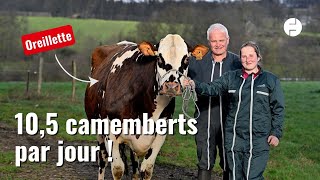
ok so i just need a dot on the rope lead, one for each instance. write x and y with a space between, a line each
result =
189 93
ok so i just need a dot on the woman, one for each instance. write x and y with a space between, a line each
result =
255 113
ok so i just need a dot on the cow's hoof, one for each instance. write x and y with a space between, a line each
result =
117 172
135 177
142 174
147 174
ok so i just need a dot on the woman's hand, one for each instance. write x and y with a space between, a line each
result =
273 140
188 82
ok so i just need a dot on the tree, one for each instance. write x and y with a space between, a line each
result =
11 30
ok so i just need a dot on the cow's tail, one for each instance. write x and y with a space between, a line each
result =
122 148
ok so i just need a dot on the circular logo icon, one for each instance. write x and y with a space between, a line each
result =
292 27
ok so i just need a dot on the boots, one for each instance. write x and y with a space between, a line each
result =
204 174
226 175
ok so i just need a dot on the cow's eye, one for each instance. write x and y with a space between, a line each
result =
186 60
160 60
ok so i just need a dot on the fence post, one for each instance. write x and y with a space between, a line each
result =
28 81
40 74
74 73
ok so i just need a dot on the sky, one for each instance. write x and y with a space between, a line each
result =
192 0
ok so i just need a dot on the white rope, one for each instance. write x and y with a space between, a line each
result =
188 93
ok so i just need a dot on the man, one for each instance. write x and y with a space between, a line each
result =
255 113
212 109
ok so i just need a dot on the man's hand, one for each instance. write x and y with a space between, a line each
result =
273 140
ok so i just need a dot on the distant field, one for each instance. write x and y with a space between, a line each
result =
99 30
89 33
297 156
309 34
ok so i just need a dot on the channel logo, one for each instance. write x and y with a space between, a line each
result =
292 27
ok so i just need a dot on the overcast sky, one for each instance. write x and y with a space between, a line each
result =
192 0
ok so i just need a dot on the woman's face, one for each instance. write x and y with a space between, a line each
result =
249 59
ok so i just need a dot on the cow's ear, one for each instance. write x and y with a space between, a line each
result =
199 51
147 49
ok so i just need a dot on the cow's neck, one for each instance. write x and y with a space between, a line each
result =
161 102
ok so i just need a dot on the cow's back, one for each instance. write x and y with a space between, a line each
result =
103 54
126 86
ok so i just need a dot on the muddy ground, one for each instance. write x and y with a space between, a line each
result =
76 170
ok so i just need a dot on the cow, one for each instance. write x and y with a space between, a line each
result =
134 79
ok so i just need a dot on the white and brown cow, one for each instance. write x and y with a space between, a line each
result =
136 79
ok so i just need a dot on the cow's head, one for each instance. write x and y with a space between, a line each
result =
172 62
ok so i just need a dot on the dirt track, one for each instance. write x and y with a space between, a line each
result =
48 170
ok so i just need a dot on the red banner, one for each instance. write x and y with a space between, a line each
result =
48 40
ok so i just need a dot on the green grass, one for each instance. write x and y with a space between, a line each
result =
310 34
55 98
297 156
7 160
100 31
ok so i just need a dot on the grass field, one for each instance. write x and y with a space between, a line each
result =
314 35
297 156
100 31
89 33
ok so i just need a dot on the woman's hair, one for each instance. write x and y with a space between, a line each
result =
254 46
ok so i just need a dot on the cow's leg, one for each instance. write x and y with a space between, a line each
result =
102 161
135 166
147 164
124 158
117 165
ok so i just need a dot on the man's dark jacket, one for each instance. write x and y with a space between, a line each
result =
209 126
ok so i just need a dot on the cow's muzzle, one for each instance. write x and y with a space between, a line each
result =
171 89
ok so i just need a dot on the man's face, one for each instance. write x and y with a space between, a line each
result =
218 42
249 58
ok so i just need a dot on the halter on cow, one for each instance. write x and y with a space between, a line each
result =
136 79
